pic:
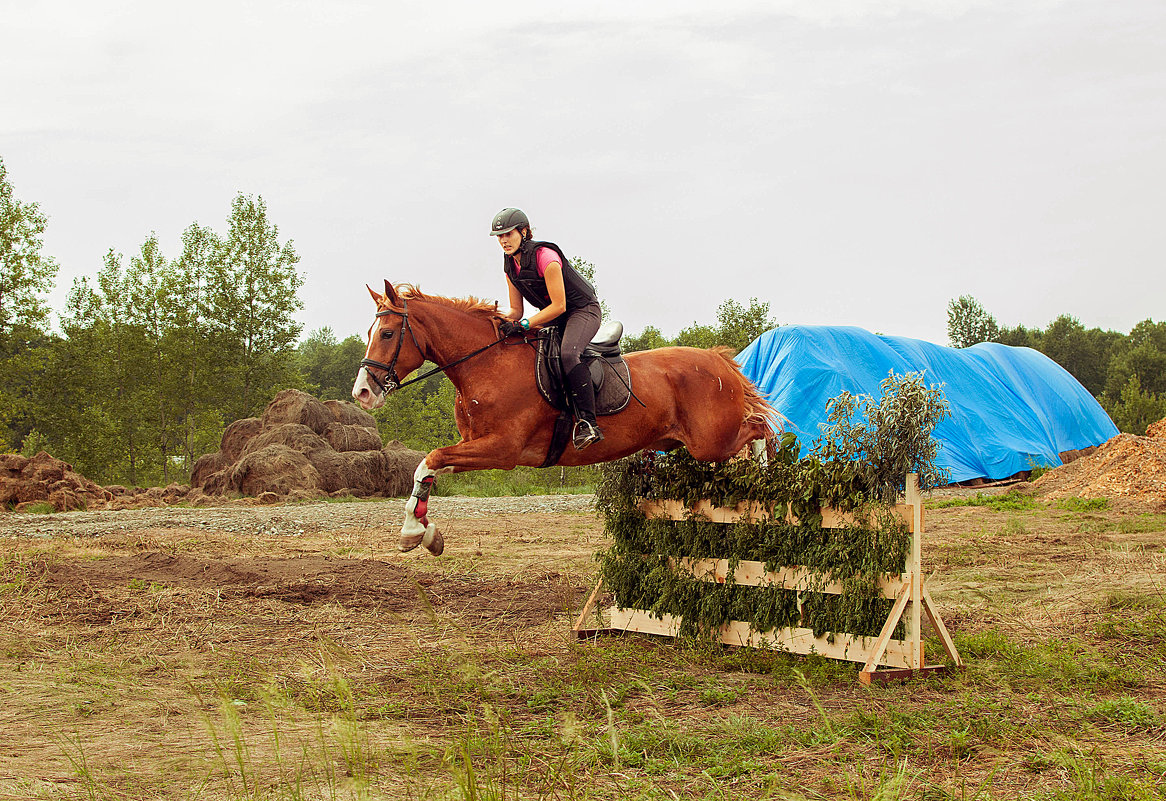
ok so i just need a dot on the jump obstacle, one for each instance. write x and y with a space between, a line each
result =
882 659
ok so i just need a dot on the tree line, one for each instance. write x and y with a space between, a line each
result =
1125 372
158 353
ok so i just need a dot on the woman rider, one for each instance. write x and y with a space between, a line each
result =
540 273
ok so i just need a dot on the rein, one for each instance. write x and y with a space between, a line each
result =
392 383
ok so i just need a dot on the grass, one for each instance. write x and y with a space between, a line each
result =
520 481
206 693
1006 502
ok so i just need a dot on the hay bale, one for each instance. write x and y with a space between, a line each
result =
293 436
336 446
350 414
275 468
236 437
293 406
343 437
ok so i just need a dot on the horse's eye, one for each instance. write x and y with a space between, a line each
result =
386 334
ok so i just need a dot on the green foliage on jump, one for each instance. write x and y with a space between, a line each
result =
850 470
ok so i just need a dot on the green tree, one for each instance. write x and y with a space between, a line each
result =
648 339
197 363
738 325
252 299
968 323
329 366
1135 408
24 272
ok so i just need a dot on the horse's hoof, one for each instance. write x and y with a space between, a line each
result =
433 541
411 541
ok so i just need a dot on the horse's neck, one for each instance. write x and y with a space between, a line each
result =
452 334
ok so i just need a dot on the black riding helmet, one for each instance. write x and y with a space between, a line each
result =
507 220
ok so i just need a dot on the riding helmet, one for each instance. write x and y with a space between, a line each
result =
507 220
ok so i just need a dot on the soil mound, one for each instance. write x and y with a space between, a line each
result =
303 447
1126 466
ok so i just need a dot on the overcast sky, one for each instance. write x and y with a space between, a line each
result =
849 163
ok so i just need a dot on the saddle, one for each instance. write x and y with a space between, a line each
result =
609 372
609 375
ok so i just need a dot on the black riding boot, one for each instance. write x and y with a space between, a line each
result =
583 399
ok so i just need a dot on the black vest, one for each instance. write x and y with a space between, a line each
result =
533 287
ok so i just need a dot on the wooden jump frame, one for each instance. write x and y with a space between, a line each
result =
884 658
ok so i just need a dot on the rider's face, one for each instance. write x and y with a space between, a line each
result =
510 241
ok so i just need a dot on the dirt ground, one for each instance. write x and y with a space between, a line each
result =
133 641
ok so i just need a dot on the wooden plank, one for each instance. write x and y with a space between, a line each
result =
792 640
940 629
915 568
831 518
884 638
867 676
753 574
588 606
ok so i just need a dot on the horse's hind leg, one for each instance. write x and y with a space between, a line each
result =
417 530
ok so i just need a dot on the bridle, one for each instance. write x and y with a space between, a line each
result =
392 383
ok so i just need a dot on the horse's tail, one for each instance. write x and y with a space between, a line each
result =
758 411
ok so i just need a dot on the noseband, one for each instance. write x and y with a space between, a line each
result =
391 383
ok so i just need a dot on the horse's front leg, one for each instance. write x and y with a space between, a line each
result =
417 530
474 455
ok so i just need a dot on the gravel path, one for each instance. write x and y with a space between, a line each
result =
288 519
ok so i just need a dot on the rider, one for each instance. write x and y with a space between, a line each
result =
540 273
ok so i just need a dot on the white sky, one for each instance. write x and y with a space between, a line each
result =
850 163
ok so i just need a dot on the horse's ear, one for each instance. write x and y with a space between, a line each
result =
391 294
374 294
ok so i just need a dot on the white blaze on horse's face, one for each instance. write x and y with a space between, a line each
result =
367 394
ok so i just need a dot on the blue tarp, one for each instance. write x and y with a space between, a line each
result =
1011 408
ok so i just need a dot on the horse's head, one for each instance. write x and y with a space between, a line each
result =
393 350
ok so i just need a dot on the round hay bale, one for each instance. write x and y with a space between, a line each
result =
350 414
293 406
236 436
275 468
344 437
208 465
294 436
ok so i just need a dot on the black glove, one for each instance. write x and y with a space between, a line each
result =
508 327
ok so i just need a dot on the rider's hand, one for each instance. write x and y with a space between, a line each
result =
508 327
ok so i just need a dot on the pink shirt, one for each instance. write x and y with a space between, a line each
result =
545 257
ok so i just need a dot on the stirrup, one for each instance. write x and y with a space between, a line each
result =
585 433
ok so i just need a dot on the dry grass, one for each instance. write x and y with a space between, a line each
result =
175 663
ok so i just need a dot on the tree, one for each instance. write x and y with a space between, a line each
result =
252 298
968 323
737 326
329 366
24 272
1135 408
648 339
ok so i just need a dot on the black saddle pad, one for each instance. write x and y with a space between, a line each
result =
609 375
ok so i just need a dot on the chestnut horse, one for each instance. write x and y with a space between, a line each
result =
692 397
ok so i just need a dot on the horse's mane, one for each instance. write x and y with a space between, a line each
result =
476 306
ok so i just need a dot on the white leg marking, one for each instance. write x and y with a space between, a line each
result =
413 530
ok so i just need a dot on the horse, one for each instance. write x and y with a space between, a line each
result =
693 397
